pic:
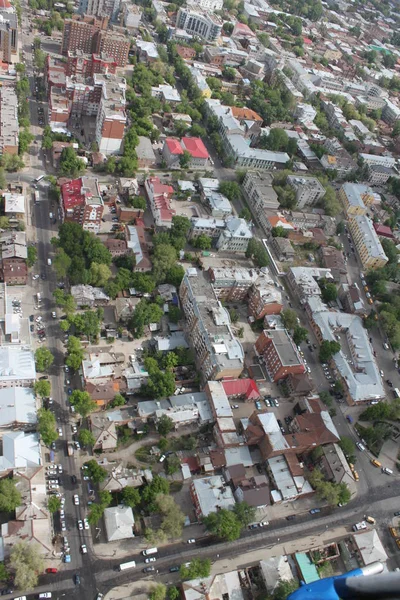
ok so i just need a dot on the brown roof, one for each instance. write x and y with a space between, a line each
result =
300 382
104 391
256 496
218 458
245 113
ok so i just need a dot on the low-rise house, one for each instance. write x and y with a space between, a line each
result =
105 391
166 93
209 226
299 384
104 431
221 586
174 149
18 409
254 491
124 308
86 295
218 204
283 249
333 259
147 51
274 570
183 409
119 522
20 451
211 494
137 244
145 153
352 298
369 547
116 247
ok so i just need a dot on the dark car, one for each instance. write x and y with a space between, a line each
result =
73 479
31 317
6 592
290 517
43 377
253 526
174 569
397 513
148 569
314 511
77 579
43 275
32 328
390 384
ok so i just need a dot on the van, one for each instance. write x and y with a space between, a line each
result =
49 262
370 520
387 471
162 458
376 463
149 551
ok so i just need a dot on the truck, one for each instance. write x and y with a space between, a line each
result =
128 565
149 551
359 526
70 449
36 197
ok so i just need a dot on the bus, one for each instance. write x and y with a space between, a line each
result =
396 393
38 179
128 565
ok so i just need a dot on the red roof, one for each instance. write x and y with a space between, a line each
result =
4 4
307 40
71 193
196 147
383 230
242 387
174 146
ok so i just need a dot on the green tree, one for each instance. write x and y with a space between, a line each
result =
300 334
344 493
4 574
173 518
284 588
164 425
145 313
175 275
159 384
42 388
95 513
47 426
10 497
130 496
173 593
53 504
118 400
43 359
65 301
96 472
139 202
158 592
99 274
198 567
327 350
83 403
86 438
329 292
279 232
202 241
348 446
289 318
27 562
157 486
172 465
230 189
32 256
245 513
24 141
185 159
174 314
61 263
105 498
70 165
75 353
257 252
164 258
225 524
11 162
330 202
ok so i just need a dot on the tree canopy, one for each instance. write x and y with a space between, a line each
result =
83 402
27 562
198 567
43 359
328 349
70 164
42 388
96 472
47 426
10 497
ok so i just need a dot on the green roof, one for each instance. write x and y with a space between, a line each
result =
308 570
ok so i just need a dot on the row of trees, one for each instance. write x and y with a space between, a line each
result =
228 524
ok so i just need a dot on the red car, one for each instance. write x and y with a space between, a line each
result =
51 570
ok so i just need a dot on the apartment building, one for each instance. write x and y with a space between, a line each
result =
308 190
79 33
390 112
160 196
90 35
382 161
367 242
17 367
219 354
111 114
100 8
9 127
173 150
81 202
199 22
131 16
356 198
261 196
279 354
378 175
235 237
8 35
86 65
211 227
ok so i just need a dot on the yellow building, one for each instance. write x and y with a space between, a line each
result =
332 55
367 243
355 198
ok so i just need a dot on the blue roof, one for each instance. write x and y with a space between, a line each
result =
308 571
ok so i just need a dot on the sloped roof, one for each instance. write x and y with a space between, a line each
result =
196 147
241 387
174 146
119 523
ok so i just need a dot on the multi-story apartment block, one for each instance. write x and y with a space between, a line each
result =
79 33
86 65
8 34
131 16
378 175
111 115
355 198
211 227
199 22
308 190
160 196
90 35
100 8
391 112
9 128
82 203
382 161
260 196
279 353
367 242
232 285
235 237
219 354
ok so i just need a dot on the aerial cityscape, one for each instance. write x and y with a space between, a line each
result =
199 297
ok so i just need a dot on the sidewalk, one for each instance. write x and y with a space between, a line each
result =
139 590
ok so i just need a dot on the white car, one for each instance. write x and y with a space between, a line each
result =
86 523
54 314
34 277
63 526
84 549
77 445
382 374
76 499
80 525
62 502
74 429
66 369
149 560
54 486
51 473
191 541
60 469
62 513
59 432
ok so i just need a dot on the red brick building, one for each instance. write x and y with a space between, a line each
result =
279 354
185 52
87 65
14 271
82 203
